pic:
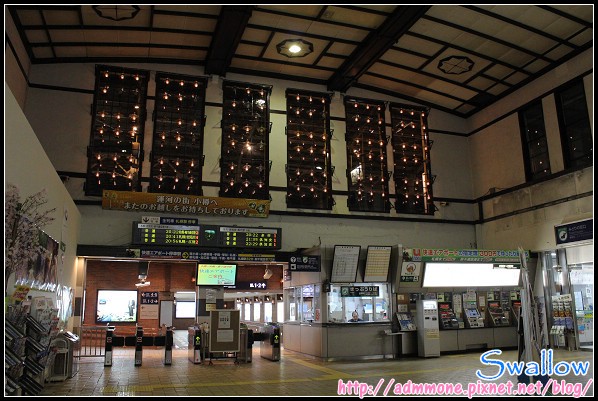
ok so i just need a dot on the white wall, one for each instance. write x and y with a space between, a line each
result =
465 167
28 167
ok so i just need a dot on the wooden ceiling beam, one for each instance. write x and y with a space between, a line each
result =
227 35
374 46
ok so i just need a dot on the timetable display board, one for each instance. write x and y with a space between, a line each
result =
344 263
249 237
146 233
377 264
165 234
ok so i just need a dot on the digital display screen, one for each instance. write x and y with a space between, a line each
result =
116 306
216 274
206 236
163 234
249 237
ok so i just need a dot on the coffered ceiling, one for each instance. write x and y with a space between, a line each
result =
456 58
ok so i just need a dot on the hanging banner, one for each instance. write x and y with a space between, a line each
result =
184 204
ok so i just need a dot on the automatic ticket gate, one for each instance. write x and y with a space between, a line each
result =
139 346
270 345
168 346
108 345
194 341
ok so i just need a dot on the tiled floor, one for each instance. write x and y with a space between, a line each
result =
296 375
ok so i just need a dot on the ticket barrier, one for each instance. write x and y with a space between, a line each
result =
168 346
139 346
108 345
195 344
246 340
270 345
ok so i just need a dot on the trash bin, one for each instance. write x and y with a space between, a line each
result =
270 346
66 363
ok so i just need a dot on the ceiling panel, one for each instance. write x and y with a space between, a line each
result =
515 42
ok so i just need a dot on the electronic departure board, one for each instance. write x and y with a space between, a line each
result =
163 234
249 237
206 236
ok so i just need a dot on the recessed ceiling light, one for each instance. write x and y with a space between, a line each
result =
294 48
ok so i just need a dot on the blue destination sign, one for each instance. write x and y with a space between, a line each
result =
574 232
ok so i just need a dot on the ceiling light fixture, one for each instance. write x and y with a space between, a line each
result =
116 13
455 65
268 273
294 48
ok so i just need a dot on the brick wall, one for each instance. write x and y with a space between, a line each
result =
165 277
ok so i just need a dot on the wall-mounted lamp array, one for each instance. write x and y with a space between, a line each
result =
366 155
308 169
244 162
179 120
115 150
411 152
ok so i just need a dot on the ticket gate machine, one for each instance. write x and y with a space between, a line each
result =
168 346
139 346
108 345
270 346
194 344
428 333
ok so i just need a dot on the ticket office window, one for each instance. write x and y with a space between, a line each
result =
303 303
369 307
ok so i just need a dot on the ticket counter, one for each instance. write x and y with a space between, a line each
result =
352 325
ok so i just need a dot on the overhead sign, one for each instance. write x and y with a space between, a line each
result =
304 263
184 204
162 234
206 235
249 237
462 255
575 232
360 291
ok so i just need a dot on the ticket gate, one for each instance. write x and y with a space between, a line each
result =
108 345
139 346
168 346
270 345
194 344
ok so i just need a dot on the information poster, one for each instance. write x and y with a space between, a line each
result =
344 263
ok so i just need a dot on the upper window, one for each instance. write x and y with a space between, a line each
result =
535 147
412 168
309 173
115 149
244 158
177 145
574 124
367 169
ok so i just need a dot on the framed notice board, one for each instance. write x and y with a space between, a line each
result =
377 264
225 326
344 263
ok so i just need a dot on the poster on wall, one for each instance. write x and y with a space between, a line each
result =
42 273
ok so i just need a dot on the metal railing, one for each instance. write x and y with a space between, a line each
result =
93 341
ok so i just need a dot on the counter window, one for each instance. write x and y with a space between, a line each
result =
358 302
303 303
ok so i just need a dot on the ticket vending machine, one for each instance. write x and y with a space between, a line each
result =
428 332
497 315
448 319
473 318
